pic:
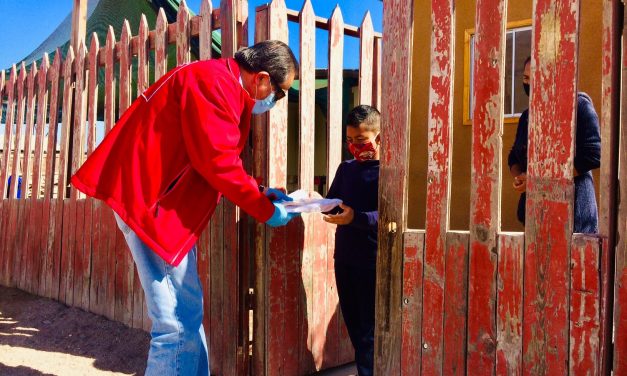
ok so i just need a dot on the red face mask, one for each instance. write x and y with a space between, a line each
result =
362 152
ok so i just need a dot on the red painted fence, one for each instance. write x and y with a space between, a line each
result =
57 243
483 301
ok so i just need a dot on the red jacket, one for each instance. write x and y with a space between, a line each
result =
171 155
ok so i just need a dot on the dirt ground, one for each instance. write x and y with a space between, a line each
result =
42 337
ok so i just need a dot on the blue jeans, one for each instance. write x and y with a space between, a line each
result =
174 299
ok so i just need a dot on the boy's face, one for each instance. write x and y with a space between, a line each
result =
360 136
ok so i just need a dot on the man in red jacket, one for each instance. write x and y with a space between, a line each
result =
163 169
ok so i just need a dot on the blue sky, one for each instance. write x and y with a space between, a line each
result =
32 21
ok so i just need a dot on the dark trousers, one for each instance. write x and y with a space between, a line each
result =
356 290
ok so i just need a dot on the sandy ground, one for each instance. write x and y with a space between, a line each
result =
42 337
39 336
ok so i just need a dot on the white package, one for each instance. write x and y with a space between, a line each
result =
309 202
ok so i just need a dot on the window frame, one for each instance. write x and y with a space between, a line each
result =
468 33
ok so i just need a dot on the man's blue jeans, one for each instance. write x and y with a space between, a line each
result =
174 299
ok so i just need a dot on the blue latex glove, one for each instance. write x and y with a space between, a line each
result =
280 217
276 195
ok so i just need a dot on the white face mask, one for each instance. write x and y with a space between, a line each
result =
263 105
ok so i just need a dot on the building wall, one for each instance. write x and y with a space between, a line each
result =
589 81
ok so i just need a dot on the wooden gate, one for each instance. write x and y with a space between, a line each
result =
482 301
297 321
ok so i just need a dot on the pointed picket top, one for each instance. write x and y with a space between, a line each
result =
336 17
94 44
366 51
110 43
307 8
206 28
30 122
125 67
278 20
161 45
68 62
109 99
42 98
183 34
22 76
142 55
56 65
8 130
2 80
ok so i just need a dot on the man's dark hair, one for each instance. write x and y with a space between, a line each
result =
527 61
369 116
272 56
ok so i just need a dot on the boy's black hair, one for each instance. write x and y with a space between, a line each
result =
369 116
527 61
272 56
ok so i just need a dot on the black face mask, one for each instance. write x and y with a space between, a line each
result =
526 88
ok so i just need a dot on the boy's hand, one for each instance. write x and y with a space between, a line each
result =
520 183
344 218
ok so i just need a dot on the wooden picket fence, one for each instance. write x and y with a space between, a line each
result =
482 301
55 242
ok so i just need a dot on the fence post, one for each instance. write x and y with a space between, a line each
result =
79 23
485 196
395 107
550 189
620 282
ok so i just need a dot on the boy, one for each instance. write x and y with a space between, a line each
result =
356 183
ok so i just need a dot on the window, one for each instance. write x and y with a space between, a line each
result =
518 48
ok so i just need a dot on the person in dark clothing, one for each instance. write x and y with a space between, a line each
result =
356 183
587 158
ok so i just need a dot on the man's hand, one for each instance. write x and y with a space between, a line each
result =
276 194
343 218
280 217
520 183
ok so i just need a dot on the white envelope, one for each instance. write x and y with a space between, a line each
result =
309 202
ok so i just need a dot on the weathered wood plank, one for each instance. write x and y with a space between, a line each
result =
307 100
485 189
216 292
456 315
27 153
42 115
608 185
39 223
366 57
509 304
397 21
161 45
110 81
205 29
620 281
14 231
28 232
143 64
16 169
585 296
8 133
334 98
67 225
228 28
260 171
376 80
125 267
182 34
413 257
51 265
550 191
79 227
438 180
306 130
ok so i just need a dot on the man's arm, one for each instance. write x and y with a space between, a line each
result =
210 123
